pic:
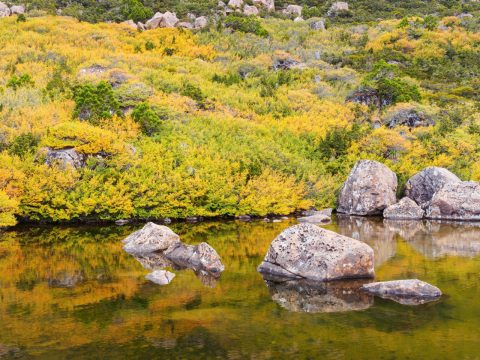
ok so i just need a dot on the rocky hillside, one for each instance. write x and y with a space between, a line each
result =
209 114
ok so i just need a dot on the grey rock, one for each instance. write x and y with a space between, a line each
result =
406 292
166 20
311 212
141 26
185 25
318 25
122 222
456 201
308 251
150 238
200 22
155 261
287 64
131 24
409 117
268 5
403 210
17 9
250 10
65 158
160 277
244 218
95 70
315 219
201 257
66 280
422 186
338 8
369 97
369 189
319 297
295 10
236 4
4 10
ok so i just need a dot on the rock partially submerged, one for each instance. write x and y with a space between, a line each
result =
422 186
160 277
405 209
150 238
315 219
406 292
369 189
310 252
456 201
319 297
201 257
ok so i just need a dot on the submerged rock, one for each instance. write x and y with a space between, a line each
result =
201 257
155 261
456 201
160 277
310 252
405 209
319 297
150 238
406 292
315 219
66 279
369 189
421 187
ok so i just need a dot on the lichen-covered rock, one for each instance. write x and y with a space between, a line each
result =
64 158
456 201
269 5
403 210
318 25
4 10
160 277
319 297
150 238
407 115
200 22
422 186
406 292
250 10
338 8
201 257
369 189
295 10
310 252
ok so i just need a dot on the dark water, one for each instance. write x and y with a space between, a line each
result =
72 293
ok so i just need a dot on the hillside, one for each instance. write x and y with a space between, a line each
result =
100 121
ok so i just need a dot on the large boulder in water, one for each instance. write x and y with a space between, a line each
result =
406 292
160 277
405 209
201 257
421 187
369 189
150 238
456 201
310 252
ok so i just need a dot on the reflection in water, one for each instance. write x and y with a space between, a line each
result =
73 293
371 231
319 297
436 239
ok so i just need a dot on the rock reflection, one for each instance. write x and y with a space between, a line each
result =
158 261
319 297
371 231
435 239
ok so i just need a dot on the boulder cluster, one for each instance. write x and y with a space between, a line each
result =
433 193
9 11
157 247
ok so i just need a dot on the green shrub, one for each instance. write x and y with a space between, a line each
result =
24 80
94 103
135 10
23 144
246 24
228 79
149 45
194 92
21 18
148 119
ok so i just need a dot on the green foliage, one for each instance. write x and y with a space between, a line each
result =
194 92
16 82
95 102
246 24
136 11
228 79
24 144
149 46
21 18
148 118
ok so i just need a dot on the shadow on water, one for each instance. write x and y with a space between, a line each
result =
72 292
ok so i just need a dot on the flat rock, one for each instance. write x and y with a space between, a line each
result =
406 292
456 201
422 186
150 238
160 277
405 209
369 189
201 257
310 252
315 219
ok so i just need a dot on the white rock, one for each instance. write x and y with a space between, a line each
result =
293 10
4 10
200 22
250 10
17 9
160 277
269 5
236 4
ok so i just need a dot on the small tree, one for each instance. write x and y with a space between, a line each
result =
94 103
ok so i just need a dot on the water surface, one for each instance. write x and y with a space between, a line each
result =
73 293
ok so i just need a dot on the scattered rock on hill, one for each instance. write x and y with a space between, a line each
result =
200 22
17 9
250 10
160 277
369 189
287 64
295 10
269 5
131 24
369 97
338 8
201 257
407 116
310 252
406 292
405 209
185 25
318 25
456 201
422 186
64 158
236 4
4 10
150 238
166 20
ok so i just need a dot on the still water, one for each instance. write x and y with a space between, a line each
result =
73 293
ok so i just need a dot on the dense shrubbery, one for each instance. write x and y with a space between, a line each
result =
246 24
95 102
